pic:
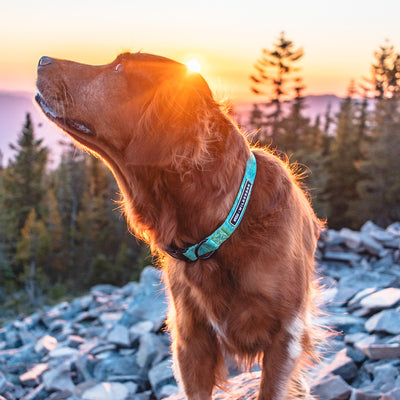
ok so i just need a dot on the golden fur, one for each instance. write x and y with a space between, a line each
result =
179 162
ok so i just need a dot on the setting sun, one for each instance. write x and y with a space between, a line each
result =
193 65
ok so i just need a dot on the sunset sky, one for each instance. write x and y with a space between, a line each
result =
226 37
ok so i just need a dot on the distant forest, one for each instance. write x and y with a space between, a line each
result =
61 231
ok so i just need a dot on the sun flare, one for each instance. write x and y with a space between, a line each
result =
193 65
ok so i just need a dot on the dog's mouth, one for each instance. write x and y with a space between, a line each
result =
72 126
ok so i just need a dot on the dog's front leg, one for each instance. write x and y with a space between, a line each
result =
198 360
278 365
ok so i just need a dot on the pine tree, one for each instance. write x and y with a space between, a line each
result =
380 186
25 176
273 71
24 185
70 183
295 127
32 252
341 167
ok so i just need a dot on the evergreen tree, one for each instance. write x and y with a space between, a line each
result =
24 185
70 183
341 167
295 127
55 266
24 182
380 186
32 252
273 71
6 272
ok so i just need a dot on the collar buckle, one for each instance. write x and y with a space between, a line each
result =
213 242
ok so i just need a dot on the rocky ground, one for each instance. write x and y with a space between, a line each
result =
111 344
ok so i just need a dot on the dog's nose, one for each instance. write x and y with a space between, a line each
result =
45 61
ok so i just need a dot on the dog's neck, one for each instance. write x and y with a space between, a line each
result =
167 206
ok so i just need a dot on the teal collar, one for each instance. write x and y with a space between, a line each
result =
207 247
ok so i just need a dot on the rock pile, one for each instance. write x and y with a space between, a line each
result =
361 273
108 345
112 345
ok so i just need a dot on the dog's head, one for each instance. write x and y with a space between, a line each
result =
140 109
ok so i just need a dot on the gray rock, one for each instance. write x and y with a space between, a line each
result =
341 365
13 339
161 375
369 227
354 303
39 393
352 239
32 377
149 303
364 342
140 329
344 293
168 390
358 394
363 279
63 352
74 341
343 322
152 349
119 335
392 395
353 338
115 364
46 343
110 318
3 382
104 289
243 386
147 395
84 365
331 388
394 229
371 245
107 391
59 378
342 256
387 321
382 351
385 376
386 298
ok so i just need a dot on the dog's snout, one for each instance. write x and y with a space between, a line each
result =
45 61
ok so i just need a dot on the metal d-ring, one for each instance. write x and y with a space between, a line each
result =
204 256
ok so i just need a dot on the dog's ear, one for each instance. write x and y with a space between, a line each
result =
174 124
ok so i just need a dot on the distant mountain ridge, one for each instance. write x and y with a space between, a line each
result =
15 105
13 109
315 105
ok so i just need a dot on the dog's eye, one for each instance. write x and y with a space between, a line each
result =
118 68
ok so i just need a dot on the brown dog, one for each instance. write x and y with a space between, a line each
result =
179 162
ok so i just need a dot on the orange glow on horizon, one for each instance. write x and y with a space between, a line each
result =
227 76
